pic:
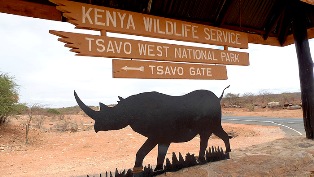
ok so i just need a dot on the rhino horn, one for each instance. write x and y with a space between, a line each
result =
90 112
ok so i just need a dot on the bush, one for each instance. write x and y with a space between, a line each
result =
20 108
65 124
8 97
69 110
53 111
233 99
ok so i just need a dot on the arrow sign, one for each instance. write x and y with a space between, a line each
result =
166 70
103 46
126 68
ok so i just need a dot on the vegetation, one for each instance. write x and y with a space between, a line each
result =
251 101
57 111
9 98
232 99
32 112
69 110
53 111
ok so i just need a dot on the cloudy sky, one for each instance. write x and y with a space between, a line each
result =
48 72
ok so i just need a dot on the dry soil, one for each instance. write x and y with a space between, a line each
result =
55 151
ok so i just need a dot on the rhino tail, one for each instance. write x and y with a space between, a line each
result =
222 94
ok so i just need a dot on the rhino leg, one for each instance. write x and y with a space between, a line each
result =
143 151
224 136
203 145
162 151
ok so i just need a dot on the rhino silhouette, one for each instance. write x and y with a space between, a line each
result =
163 119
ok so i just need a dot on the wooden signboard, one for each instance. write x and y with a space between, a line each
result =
102 46
113 20
166 70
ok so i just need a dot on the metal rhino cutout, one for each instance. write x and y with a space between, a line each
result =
163 119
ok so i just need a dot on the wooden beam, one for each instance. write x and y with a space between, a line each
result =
36 10
290 38
278 12
305 68
242 29
30 9
221 16
258 39
273 41
309 1
282 36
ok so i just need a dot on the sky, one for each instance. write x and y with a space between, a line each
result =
47 72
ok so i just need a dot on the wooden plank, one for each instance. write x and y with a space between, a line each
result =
166 70
309 1
102 46
30 9
258 39
113 20
273 41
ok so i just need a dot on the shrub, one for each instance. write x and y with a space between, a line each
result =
233 99
8 97
53 111
20 108
65 124
39 121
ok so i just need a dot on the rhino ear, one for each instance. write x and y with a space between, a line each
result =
120 98
103 106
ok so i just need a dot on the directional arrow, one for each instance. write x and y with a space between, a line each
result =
166 70
126 68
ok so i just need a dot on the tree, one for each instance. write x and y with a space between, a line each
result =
233 99
8 97
32 111
249 100
265 96
286 98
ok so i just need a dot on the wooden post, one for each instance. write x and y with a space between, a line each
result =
305 68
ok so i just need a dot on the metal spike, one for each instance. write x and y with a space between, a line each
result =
168 166
174 159
116 173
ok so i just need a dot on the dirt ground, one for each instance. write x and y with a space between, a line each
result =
266 112
56 151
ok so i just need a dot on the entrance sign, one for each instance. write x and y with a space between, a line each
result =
105 19
113 20
166 70
103 46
